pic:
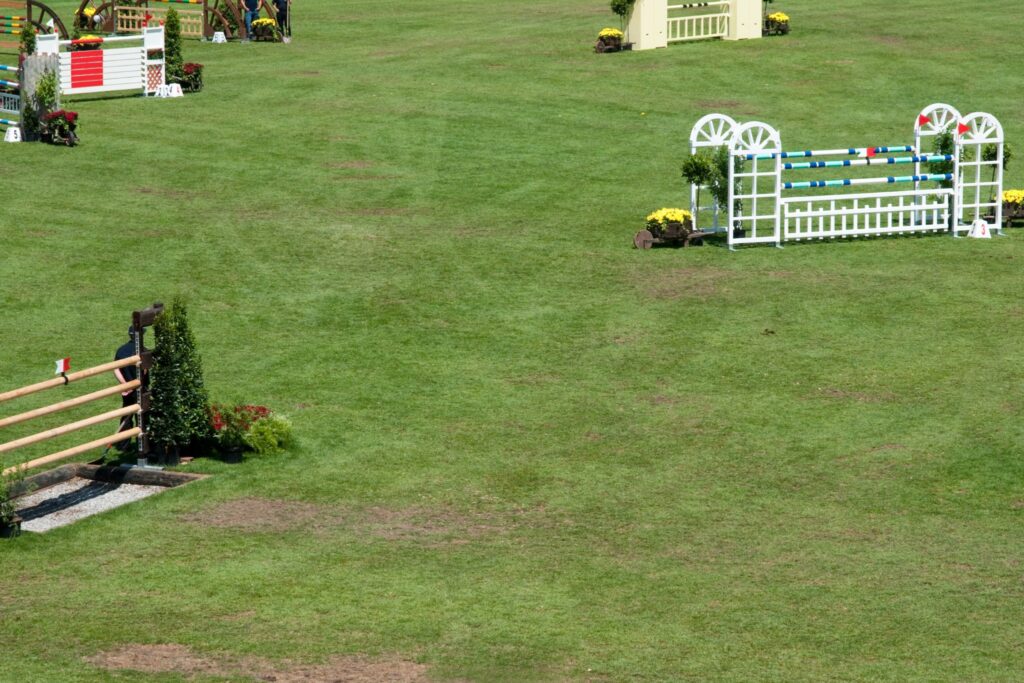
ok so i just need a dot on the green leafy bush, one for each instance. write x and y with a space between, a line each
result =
28 40
181 406
173 59
269 435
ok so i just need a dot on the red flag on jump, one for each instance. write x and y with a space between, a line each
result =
922 119
962 128
63 365
871 152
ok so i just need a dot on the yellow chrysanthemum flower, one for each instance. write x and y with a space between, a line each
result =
1014 197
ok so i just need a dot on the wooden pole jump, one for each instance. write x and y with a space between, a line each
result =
71 377
67 453
70 403
72 427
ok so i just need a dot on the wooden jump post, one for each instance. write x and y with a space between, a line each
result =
141 360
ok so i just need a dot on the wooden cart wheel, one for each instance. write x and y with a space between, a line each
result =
643 240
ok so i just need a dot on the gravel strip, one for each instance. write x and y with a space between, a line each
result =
75 499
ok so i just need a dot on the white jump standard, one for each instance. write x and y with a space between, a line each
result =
127 67
763 208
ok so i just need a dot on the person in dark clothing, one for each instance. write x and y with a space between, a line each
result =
282 17
252 13
128 373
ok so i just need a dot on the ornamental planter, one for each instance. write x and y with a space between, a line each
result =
265 33
775 28
1011 212
11 529
673 234
608 45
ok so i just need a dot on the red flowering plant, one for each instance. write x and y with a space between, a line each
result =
249 427
192 77
231 423
59 126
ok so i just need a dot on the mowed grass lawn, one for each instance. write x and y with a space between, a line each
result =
528 452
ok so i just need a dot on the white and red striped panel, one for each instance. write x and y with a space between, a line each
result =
122 68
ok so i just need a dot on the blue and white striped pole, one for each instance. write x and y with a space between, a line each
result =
879 161
848 151
847 182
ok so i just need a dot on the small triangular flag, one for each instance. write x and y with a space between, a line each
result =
871 152
63 365
962 128
922 119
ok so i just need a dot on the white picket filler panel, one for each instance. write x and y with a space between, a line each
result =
754 146
698 20
656 23
971 192
865 213
109 69
712 131
975 191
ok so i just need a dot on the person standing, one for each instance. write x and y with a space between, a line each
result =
282 17
252 13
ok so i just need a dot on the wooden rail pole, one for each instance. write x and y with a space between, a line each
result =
74 426
74 376
70 403
67 453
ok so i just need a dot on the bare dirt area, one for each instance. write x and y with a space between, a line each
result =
183 661
858 396
680 283
430 526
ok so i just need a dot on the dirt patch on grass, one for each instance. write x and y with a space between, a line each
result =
366 176
890 41
168 193
433 526
700 283
183 661
728 106
859 396
268 515
374 211
355 163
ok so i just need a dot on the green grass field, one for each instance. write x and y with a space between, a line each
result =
527 451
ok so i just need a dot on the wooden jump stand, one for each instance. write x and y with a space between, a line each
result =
17 14
142 360
199 18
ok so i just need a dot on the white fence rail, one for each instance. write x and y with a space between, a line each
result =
698 21
866 213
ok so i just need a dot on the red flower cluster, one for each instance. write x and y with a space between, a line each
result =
192 67
61 114
239 417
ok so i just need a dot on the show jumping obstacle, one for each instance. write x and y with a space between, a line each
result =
141 360
10 103
109 70
763 208
199 18
15 15
656 23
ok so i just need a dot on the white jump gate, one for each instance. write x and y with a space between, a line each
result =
698 20
109 69
656 23
762 210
